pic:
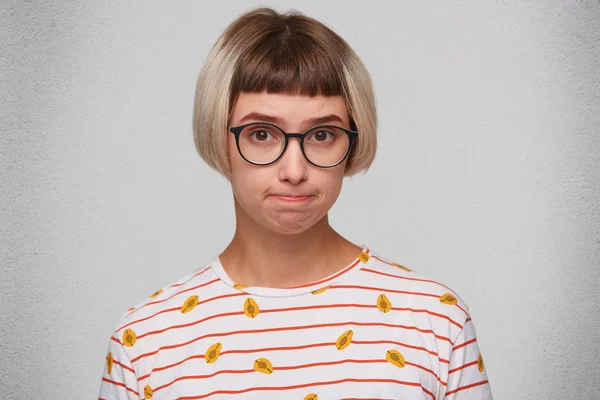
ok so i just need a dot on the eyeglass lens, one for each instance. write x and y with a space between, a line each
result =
323 146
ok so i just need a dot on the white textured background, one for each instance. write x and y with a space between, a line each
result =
486 176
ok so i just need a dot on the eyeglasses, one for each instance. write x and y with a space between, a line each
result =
262 143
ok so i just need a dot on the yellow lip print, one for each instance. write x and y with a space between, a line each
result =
320 290
263 365
148 393
447 298
239 286
212 353
394 357
364 257
129 337
480 365
156 293
312 396
401 267
189 304
251 308
383 303
109 362
344 340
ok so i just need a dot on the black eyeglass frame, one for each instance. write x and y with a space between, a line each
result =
237 130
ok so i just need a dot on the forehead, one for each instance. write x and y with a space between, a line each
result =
290 109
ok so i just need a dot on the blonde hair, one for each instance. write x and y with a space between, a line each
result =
281 53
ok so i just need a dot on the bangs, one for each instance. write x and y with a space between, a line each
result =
291 62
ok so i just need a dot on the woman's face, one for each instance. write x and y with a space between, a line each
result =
256 188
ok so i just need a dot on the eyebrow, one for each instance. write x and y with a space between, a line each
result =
276 120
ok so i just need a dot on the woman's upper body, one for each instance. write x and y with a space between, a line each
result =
291 309
374 329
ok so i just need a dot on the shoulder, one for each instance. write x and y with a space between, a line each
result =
165 303
414 292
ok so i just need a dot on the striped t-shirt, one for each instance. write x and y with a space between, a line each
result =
374 330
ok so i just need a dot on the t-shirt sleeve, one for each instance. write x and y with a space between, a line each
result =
467 377
119 381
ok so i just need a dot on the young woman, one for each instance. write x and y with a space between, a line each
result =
291 309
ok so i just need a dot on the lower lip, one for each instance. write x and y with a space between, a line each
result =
299 199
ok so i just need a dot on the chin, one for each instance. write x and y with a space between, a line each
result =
289 225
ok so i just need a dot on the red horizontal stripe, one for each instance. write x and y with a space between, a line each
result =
188 377
433 353
228 314
121 385
468 342
285 348
183 291
291 348
276 368
428 392
320 306
287 309
430 313
462 367
403 277
124 366
472 385
312 384
149 317
437 296
289 328
245 351
426 370
179 308
410 279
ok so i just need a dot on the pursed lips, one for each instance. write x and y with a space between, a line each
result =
292 195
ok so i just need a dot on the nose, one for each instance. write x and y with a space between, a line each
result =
293 167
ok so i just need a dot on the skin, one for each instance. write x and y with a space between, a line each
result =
280 244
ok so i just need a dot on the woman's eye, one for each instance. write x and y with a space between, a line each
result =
261 136
322 136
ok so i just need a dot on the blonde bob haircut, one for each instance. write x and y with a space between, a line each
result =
288 53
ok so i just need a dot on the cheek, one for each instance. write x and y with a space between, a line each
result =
245 178
232 152
333 186
237 164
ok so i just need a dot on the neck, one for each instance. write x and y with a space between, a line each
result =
258 256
